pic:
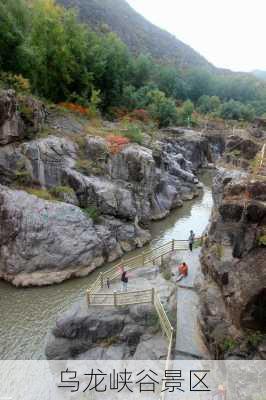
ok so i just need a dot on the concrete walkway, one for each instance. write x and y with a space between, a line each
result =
189 343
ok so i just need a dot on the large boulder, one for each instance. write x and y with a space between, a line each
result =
44 242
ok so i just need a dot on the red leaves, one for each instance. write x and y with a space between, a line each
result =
75 108
116 143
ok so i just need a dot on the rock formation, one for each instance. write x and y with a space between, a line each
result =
108 198
233 294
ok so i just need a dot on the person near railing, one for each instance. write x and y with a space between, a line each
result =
124 280
191 240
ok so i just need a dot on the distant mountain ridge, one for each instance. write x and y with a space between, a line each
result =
259 74
140 35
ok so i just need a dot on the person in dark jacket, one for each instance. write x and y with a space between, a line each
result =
124 280
191 240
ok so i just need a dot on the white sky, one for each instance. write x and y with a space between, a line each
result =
229 33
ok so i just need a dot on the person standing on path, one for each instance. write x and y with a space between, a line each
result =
124 280
191 240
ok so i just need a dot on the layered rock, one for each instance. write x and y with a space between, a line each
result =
19 117
233 261
44 242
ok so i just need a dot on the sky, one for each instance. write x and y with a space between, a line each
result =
229 33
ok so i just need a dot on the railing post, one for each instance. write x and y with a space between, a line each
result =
88 297
115 298
143 259
101 276
173 244
152 295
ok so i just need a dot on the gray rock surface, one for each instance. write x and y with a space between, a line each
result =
233 263
45 242
11 124
19 117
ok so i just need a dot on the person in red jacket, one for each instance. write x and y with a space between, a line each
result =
182 271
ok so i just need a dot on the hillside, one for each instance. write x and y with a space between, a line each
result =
139 34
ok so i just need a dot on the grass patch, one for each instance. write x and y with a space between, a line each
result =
59 190
235 153
262 240
23 178
110 341
229 344
219 251
167 275
134 134
41 193
88 167
255 338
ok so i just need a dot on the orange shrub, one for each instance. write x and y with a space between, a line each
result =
140 115
116 143
75 108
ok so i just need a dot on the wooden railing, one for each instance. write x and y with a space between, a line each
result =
150 296
260 163
105 278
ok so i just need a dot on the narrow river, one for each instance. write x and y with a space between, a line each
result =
28 314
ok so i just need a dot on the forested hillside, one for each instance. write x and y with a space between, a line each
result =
140 35
44 49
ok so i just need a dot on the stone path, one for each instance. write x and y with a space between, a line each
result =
189 343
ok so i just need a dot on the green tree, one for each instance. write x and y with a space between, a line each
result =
14 23
171 82
141 70
162 109
209 104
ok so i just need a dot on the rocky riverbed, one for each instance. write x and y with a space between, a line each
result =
107 198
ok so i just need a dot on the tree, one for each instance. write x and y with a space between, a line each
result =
162 109
141 70
209 104
170 82
14 22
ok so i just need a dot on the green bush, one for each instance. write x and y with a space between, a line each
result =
23 178
229 344
92 212
134 133
162 109
184 114
256 338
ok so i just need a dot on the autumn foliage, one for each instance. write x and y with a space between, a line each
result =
116 143
140 115
76 108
